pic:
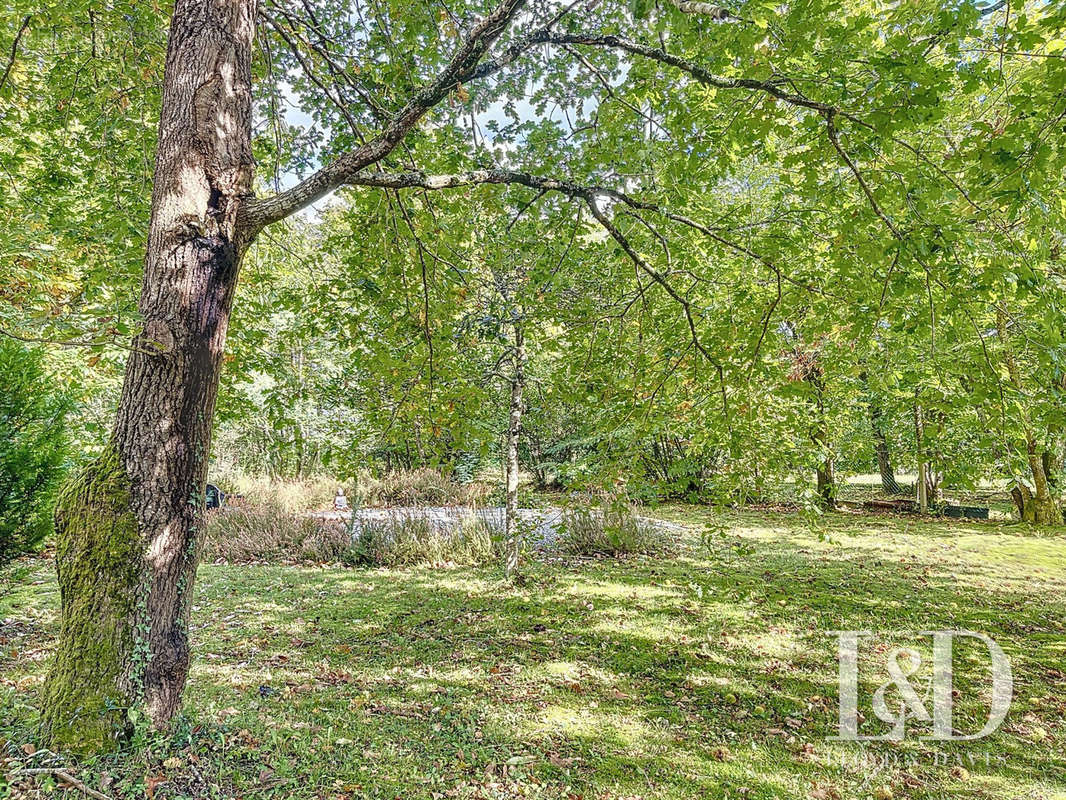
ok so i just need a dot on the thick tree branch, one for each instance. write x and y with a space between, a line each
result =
260 213
420 180
467 65
588 194
520 45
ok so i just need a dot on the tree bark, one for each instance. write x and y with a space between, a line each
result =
826 471
128 526
512 534
1036 505
881 450
1050 464
922 484
826 483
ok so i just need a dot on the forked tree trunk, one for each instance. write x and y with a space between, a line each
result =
512 534
129 525
1036 505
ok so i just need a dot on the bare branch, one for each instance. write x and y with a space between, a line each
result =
65 777
14 50
773 87
111 339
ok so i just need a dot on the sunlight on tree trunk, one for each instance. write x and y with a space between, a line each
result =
128 527
512 534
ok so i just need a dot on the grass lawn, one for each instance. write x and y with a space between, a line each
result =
706 675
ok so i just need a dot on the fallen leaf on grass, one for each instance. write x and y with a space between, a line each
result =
825 793
151 783
558 761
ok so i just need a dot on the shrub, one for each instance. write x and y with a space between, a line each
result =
409 539
33 449
418 487
613 529
272 533
287 494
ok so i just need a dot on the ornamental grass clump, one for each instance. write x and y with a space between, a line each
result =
610 529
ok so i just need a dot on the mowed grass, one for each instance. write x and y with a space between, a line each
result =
711 674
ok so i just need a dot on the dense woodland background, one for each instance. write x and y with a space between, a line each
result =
837 286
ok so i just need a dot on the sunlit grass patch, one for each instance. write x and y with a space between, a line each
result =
711 674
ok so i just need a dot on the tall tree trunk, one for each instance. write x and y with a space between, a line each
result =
826 472
881 450
512 534
922 484
889 485
129 525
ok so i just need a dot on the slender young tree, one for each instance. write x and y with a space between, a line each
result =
516 405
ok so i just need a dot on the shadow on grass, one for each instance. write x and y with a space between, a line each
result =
712 675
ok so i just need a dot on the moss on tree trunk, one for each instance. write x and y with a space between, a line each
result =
1037 507
94 676
129 524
